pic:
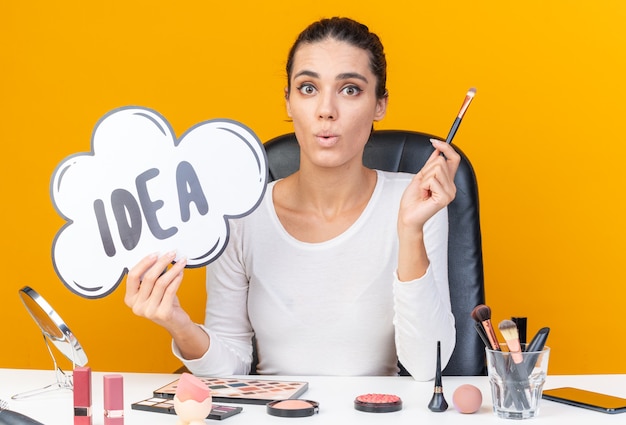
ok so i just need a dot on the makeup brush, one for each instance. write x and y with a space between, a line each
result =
511 335
534 346
516 380
522 324
10 417
539 340
438 402
482 334
457 121
482 314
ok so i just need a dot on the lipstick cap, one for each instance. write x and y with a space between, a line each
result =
113 392
82 386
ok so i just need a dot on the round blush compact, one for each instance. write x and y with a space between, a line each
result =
378 403
292 408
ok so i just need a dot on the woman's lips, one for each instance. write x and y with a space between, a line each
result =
327 140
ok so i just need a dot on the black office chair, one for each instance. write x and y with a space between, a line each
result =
407 151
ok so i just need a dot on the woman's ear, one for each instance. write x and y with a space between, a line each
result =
287 102
381 108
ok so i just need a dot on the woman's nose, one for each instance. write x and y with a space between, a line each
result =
327 108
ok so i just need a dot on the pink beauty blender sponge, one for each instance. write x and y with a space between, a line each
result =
467 398
192 401
191 388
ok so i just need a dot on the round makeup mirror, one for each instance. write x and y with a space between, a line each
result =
54 331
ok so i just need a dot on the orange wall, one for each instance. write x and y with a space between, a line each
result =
544 135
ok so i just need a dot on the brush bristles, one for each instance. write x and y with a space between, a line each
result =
471 92
481 313
474 315
508 330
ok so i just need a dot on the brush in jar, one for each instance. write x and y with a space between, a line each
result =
482 314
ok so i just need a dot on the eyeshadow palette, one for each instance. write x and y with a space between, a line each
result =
246 391
166 405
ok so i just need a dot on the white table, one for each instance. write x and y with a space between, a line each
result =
334 394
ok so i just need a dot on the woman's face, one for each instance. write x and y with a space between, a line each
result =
332 102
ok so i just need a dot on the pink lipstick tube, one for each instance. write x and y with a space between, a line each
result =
113 400
82 396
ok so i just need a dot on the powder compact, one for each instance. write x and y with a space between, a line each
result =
378 403
293 408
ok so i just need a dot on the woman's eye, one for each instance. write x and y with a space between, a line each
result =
351 90
306 89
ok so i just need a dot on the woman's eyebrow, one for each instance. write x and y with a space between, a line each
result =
349 75
307 74
342 76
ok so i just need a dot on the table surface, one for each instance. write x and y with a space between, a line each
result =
335 396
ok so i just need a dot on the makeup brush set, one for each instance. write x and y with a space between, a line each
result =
516 361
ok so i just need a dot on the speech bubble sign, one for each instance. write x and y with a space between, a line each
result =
142 190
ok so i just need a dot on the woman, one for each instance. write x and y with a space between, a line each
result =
341 270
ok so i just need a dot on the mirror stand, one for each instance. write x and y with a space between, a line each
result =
63 380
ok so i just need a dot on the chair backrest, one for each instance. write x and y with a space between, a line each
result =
407 151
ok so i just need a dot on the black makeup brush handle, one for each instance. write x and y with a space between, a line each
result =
9 417
515 384
519 383
537 344
481 333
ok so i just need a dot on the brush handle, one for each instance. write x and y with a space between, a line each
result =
491 334
517 376
536 345
455 127
539 340
522 325
515 382
482 334
9 417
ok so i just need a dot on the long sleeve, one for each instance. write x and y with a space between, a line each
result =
219 360
226 318
422 311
